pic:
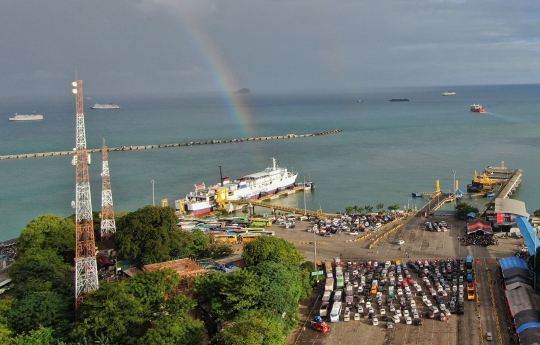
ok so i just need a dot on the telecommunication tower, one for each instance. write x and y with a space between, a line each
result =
108 225
86 273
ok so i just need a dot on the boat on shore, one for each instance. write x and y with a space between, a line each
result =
399 100
448 93
105 106
477 108
267 182
20 117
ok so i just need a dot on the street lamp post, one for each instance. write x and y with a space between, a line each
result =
153 198
305 209
454 189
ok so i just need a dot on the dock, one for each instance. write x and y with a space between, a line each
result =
510 184
159 146
294 210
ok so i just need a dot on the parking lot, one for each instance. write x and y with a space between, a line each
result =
418 244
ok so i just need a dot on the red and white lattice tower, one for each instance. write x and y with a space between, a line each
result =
108 225
86 273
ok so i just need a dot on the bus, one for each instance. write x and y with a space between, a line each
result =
227 238
335 312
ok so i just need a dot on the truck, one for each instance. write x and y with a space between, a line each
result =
339 270
470 291
340 282
323 310
326 296
349 298
329 285
335 312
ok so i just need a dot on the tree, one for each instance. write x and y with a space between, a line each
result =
49 232
536 213
464 208
361 209
349 209
229 294
150 235
254 327
40 336
111 311
380 207
368 208
47 309
41 271
178 331
271 249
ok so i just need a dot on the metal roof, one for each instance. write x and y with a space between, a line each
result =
511 206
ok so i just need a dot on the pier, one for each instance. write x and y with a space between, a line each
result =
294 210
512 180
159 146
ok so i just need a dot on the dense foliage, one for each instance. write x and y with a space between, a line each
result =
464 208
260 302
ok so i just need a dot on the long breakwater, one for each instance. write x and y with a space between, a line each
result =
158 146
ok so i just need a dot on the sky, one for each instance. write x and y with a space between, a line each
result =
187 46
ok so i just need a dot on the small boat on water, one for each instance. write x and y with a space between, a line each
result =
416 195
399 100
20 117
477 108
105 106
448 93
359 101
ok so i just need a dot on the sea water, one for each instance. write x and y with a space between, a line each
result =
386 150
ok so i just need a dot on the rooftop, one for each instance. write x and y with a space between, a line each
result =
185 268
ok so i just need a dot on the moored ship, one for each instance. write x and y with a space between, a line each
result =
20 117
448 93
399 100
267 182
105 106
477 108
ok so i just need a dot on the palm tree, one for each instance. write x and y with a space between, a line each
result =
368 208
380 207
355 209
349 209
360 209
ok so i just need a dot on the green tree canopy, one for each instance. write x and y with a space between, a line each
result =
40 271
49 232
150 235
178 331
229 294
271 249
47 309
464 208
254 327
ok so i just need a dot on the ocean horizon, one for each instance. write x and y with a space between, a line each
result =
386 150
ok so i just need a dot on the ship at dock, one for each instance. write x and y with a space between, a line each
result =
20 117
267 182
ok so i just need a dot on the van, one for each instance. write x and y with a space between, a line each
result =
323 311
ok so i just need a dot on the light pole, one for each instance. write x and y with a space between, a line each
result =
408 200
305 209
454 189
153 198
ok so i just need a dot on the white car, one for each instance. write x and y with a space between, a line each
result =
400 242
428 303
382 311
413 303
354 233
392 308
396 319
368 304
356 316
414 315
398 313
424 298
375 321
408 320
400 292
360 309
406 313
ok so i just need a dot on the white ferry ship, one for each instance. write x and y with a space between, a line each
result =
203 199
105 106
448 93
20 117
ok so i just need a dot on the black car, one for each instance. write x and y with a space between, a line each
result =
430 315
418 322
460 311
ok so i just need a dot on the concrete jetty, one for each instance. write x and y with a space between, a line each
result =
159 146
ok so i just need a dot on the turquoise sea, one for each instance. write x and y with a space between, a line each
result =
386 150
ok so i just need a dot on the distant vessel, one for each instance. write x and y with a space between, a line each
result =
399 100
477 108
105 106
19 117
448 93
359 101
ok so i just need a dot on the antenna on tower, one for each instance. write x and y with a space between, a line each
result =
86 274
108 224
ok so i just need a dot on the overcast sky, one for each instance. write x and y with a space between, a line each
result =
154 46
